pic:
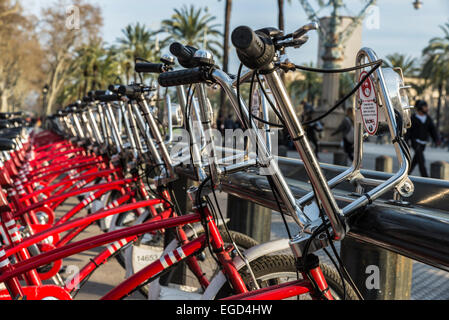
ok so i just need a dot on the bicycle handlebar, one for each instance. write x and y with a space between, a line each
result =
182 77
148 67
254 48
130 90
7 115
108 97
184 54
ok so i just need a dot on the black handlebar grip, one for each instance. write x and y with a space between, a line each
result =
184 54
7 115
114 87
99 93
17 120
181 52
254 49
182 77
108 97
247 42
95 93
148 67
128 90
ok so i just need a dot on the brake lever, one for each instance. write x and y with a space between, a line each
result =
295 42
304 29
298 42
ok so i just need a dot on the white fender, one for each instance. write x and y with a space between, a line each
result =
219 280
154 288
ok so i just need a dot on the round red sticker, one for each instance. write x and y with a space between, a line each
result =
368 105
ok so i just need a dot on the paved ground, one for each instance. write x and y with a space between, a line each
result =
428 282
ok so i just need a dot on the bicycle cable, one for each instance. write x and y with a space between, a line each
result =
319 70
348 95
342 269
239 253
376 65
244 124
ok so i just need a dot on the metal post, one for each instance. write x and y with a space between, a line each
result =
439 170
378 273
340 158
282 151
384 164
249 218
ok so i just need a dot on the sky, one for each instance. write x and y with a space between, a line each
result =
400 28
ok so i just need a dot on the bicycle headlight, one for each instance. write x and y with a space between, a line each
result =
397 93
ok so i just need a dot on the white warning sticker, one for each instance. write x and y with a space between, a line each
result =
369 108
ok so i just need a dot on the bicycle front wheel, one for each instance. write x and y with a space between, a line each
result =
277 269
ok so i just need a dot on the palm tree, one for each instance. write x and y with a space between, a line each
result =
93 67
436 65
194 27
406 63
281 16
137 42
227 23
228 9
88 60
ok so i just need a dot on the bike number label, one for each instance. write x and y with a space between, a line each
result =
369 108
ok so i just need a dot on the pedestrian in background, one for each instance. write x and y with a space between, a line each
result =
313 129
422 127
229 123
347 129
221 123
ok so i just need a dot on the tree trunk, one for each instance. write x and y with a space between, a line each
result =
281 26
4 103
440 96
228 10
50 101
281 22
84 92
309 93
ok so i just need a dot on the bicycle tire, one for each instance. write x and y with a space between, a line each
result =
272 267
